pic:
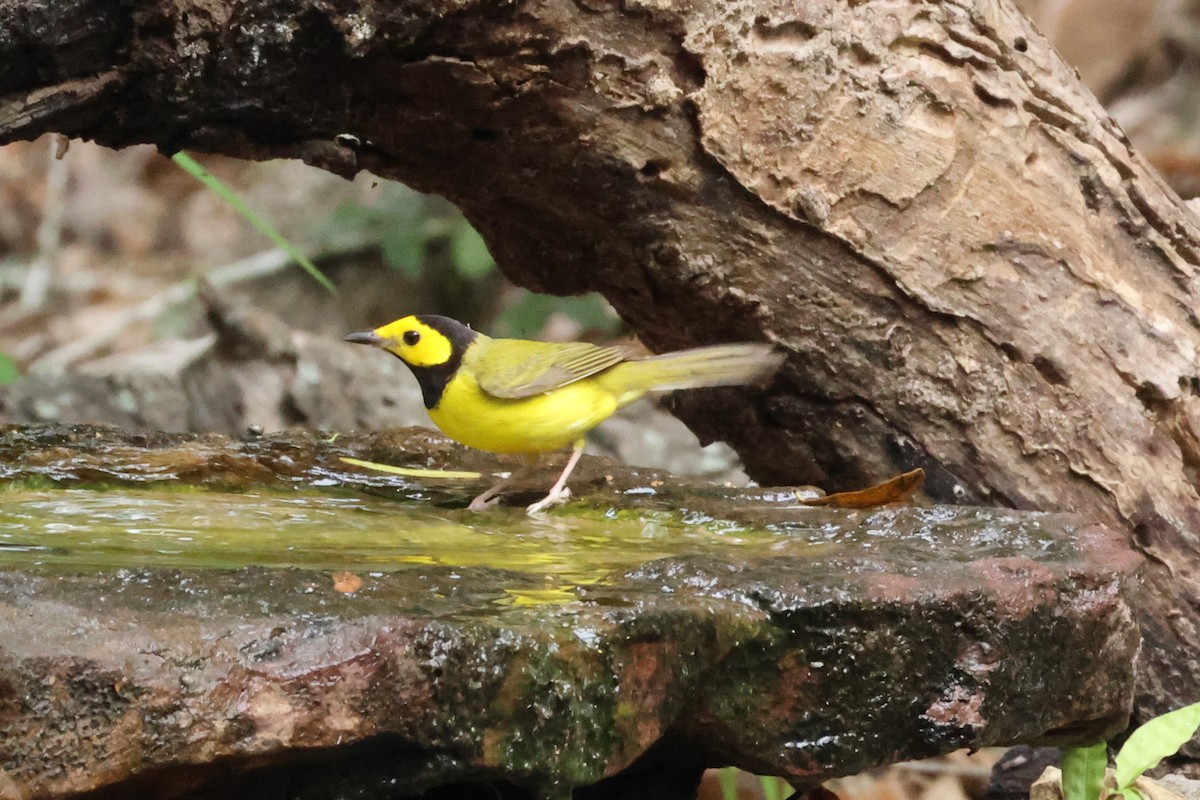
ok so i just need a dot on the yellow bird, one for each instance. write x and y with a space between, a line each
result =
522 396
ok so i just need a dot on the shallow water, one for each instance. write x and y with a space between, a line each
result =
340 531
85 498
168 590
336 529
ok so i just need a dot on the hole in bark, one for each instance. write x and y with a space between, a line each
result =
484 135
689 71
861 54
795 31
1189 384
654 167
1092 191
988 98
1049 370
1009 349
1151 397
1020 45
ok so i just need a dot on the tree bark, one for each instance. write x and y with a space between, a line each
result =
970 268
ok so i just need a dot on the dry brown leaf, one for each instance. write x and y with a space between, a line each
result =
895 490
346 582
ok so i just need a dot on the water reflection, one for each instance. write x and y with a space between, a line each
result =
342 530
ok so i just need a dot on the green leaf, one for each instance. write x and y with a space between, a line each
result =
590 311
727 777
1154 741
528 314
404 252
218 187
352 215
1083 772
469 252
772 787
8 370
1131 793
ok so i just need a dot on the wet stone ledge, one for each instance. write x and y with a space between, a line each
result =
344 635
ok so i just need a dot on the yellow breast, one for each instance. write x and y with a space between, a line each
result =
535 424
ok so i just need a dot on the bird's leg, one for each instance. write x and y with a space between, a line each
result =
488 498
559 491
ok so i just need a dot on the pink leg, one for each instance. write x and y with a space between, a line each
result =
559 491
488 498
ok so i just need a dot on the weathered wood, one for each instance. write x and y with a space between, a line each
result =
972 270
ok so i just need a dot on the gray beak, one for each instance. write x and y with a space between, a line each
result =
364 337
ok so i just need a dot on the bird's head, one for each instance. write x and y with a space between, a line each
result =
420 340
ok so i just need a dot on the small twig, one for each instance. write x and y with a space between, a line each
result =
59 144
261 264
49 233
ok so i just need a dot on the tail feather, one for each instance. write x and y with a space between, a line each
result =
718 365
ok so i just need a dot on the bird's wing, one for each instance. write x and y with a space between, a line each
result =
516 368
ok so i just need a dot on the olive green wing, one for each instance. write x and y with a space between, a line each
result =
516 368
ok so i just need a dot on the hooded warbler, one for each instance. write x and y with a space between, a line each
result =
523 396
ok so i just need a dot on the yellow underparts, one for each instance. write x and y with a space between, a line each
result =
535 424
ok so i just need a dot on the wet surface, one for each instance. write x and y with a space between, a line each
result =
337 529
97 498
169 600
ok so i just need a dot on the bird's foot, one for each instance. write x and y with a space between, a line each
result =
555 498
492 495
483 502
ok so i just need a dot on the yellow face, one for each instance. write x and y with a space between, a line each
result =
415 342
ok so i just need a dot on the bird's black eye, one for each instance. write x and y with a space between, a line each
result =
411 338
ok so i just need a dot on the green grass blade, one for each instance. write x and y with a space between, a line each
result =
447 474
727 777
771 788
227 194
1154 741
1083 772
